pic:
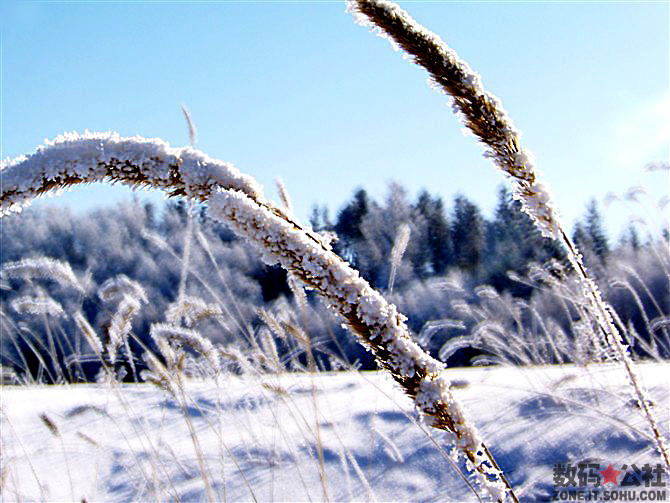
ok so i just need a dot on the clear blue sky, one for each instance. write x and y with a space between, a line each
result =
297 90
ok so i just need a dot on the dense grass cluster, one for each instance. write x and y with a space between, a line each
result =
532 300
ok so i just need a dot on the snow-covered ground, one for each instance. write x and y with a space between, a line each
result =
258 436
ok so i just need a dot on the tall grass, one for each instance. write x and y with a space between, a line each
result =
238 200
528 335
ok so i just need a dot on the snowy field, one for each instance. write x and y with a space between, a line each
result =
258 438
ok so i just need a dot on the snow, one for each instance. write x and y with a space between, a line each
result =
259 439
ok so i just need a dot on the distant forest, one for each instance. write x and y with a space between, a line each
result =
451 250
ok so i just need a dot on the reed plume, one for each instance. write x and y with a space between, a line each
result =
120 327
483 114
180 337
398 250
42 304
191 310
41 268
89 333
118 286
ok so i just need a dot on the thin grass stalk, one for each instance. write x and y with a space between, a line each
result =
43 366
186 254
484 115
55 431
241 326
209 491
10 333
301 301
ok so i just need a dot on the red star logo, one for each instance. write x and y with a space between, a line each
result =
610 475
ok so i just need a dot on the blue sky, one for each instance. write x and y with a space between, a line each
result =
297 90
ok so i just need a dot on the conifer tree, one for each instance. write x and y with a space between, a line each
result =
596 232
438 238
348 225
467 234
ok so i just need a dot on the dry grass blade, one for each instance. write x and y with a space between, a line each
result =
399 247
50 425
192 131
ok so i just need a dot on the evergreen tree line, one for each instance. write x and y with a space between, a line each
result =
459 238
147 244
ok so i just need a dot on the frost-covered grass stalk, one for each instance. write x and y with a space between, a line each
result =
41 268
41 304
483 114
378 324
130 296
72 159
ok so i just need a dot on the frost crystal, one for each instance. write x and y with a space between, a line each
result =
93 157
41 268
37 305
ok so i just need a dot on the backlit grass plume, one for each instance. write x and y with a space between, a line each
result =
483 114
40 268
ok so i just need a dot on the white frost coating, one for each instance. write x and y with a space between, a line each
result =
484 115
94 157
89 332
466 85
121 324
37 305
340 284
121 285
192 310
184 337
350 295
41 268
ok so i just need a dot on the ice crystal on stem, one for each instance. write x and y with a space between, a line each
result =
72 159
